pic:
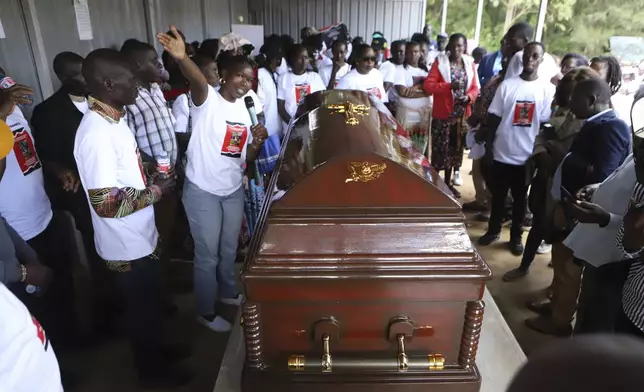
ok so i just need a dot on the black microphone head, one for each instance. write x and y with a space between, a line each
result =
249 102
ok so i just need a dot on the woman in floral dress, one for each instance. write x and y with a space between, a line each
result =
454 84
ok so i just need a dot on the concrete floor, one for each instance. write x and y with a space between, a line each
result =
107 367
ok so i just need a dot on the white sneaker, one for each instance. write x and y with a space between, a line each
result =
218 324
458 181
233 301
544 248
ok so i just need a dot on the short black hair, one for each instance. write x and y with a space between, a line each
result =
358 52
203 60
399 42
597 87
101 64
578 59
128 43
134 49
614 71
420 38
536 43
293 51
271 50
479 51
522 29
338 42
227 61
209 48
62 60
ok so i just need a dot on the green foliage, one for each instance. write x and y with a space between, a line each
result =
582 26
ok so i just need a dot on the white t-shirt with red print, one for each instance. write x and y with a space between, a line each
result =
325 73
108 157
371 83
217 148
27 360
523 106
292 89
23 201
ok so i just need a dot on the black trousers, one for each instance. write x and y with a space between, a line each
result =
503 178
537 202
141 287
600 299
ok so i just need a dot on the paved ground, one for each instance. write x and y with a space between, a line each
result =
107 367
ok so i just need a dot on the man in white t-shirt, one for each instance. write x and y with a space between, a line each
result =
26 207
332 74
517 38
121 201
27 359
389 68
519 107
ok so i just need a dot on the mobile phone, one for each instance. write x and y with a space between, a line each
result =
567 196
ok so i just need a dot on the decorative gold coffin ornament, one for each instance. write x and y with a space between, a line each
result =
350 111
365 171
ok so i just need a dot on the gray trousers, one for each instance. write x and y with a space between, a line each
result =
215 223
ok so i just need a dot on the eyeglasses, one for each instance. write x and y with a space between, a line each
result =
373 58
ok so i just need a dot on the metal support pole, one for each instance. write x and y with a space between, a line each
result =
543 9
479 21
444 18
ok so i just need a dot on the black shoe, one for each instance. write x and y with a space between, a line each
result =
166 378
482 217
515 274
516 247
488 238
543 308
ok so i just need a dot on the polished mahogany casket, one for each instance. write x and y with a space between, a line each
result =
360 275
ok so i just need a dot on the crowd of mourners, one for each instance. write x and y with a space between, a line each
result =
155 157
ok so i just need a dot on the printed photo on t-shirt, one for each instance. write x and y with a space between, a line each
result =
523 113
40 332
301 91
23 148
235 139
374 92
418 79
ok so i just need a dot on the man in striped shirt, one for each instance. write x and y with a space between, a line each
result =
630 239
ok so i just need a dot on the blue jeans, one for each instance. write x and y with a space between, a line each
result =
215 223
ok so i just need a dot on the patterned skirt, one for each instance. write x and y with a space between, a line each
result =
447 143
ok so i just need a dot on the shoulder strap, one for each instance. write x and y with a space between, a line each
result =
189 112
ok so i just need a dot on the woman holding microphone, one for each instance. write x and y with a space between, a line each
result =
223 139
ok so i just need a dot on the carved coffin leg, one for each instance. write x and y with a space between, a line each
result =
471 333
252 335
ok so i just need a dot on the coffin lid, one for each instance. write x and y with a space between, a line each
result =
351 194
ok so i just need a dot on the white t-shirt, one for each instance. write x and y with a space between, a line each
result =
267 94
371 83
325 73
108 157
27 359
547 69
294 88
283 68
522 106
82 106
408 77
181 109
217 148
388 71
23 201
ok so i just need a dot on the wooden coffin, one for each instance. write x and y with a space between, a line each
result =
360 274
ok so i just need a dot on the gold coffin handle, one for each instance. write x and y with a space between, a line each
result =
326 354
403 361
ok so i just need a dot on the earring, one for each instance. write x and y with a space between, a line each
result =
221 81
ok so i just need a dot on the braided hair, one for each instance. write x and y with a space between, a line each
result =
613 72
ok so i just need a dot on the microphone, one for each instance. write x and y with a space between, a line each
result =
250 106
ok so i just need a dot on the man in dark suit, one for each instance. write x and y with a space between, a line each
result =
602 145
54 124
490 65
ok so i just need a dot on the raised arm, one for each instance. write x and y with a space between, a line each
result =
176 47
